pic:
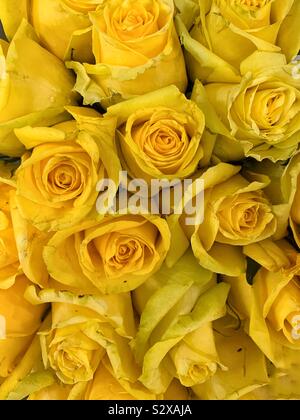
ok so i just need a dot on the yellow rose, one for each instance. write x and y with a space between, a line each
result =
258 117
175 336
195 358
290 185
19 321
271 307
83 329
246 368
236 212
9 261
223 33
57 180
113 255
63 26
161 135
133 42
70 348
35 87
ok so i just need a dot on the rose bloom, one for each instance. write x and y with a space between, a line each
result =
35 88
223 33
161 135
82 329
63 26
136 49
270 307
236 212
257 117
115 254
19 321
57 179
72 348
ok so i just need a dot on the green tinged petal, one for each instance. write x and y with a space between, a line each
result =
36 88
209 307
34 382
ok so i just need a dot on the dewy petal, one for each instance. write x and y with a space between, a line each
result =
224 33
130 51
160 135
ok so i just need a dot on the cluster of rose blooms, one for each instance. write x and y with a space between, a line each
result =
140 306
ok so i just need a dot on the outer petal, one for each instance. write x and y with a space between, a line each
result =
202 63
288 31
11 14
109 84
27 66
64 32
63 248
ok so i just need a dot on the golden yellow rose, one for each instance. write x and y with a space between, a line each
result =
19 321
35 87
57 180
270 307
83 329
133 42
258 117
223 33
161 135
236 212
113 255
63 26
71 348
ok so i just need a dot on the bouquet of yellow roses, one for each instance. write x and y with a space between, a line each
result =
149 200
